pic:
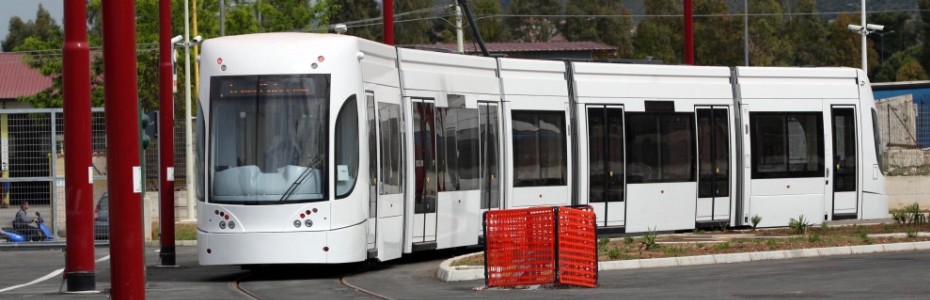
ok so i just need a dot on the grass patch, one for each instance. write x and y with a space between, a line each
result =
182 231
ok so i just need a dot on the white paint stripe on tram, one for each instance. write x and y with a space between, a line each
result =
46 277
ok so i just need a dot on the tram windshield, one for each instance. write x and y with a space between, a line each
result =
269 136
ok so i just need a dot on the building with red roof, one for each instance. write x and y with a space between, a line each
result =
18 79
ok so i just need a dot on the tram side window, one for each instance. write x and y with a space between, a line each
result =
877 137
539 148
467 144
392 172
457 149
346 148
787 145
660 147
199 154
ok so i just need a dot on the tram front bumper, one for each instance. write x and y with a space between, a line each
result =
344 245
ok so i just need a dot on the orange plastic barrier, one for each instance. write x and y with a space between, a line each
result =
542 245
577 247
519 247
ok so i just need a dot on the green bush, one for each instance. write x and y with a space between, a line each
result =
722 246
628 240
614 253
914 215
602 242
813 238
648 241
755 221
799 225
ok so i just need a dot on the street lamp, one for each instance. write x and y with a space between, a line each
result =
865 31
881 36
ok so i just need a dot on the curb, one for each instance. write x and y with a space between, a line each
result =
448 273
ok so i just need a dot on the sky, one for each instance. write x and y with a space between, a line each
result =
26 10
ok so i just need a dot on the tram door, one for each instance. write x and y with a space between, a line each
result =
489 118
372 169
389 167
845 158
425 188
606 154
788 157
713 136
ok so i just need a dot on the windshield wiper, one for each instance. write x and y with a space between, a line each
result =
300 179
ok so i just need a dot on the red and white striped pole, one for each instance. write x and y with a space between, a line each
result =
79 187
124 174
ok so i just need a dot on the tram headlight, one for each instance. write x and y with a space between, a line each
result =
296 223
309 223
222 224
232 225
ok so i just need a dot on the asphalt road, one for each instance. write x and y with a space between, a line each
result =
902 275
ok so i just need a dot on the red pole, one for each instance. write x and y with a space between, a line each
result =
79 188
689 32
166 134
388 11
124 176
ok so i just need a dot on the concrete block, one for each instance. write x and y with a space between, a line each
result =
862 249
659 262
834 251
766 255
898 247
696 260
619 265
731 258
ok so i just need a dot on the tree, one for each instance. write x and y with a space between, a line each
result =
660 37
42 29
491 28
613 29
413 25
888 71
40 39
357 10
44 34
844 47
768 45
808 35
717 37
924 6
911 70
528 22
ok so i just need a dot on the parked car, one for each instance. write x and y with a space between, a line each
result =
102 218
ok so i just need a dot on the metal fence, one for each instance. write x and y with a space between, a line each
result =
33 166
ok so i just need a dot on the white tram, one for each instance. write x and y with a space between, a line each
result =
318 148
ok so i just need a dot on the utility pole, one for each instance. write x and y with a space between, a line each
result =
124 175
865 53
459 35
79 176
